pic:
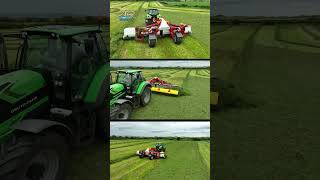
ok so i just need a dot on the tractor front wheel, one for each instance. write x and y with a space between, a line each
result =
35 157
145 96
124 112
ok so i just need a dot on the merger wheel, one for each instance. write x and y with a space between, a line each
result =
124 112
152 42
145 96
35 157
151 157
177 39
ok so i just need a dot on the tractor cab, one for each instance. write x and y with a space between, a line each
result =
68 57
152 16
131 79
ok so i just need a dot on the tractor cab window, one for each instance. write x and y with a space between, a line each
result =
103 48
45 52
153 12
136 79
124 78
84 63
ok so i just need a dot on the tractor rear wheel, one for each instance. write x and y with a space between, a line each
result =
145 96
124 112
36 157
177 38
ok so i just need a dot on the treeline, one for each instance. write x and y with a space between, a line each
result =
12 23
114 137
220 19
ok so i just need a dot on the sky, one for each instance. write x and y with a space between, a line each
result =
265 7
160 129
69 7
160 63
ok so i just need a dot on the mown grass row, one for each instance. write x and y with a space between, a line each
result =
184 162
295 35
204 149
128 144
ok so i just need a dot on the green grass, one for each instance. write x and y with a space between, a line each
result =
196 45
281 78
193 105
185 161
204 4
88 162
204 149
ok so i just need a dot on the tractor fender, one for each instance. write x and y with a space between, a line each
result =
142 86
36 126
122 101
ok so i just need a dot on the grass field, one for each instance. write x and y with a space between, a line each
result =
193 105
195 46
186 160
275 67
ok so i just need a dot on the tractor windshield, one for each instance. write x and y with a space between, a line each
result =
124 78
153 12
45 52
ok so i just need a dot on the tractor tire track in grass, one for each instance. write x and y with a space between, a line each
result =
282 37
311 32
204 149
127 145
221 30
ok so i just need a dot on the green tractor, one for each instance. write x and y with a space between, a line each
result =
129 90
52 99
152 16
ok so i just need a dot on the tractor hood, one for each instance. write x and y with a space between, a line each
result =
19 91
116 88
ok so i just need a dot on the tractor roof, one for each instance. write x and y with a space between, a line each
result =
61 30
130 71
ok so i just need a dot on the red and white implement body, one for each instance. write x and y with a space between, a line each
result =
159 28
152 153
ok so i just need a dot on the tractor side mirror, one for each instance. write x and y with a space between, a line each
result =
3 54
89 47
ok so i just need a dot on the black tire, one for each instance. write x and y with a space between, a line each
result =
141 156
152 42
176 39
35 156
145 97
125 112
151 157
102 116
